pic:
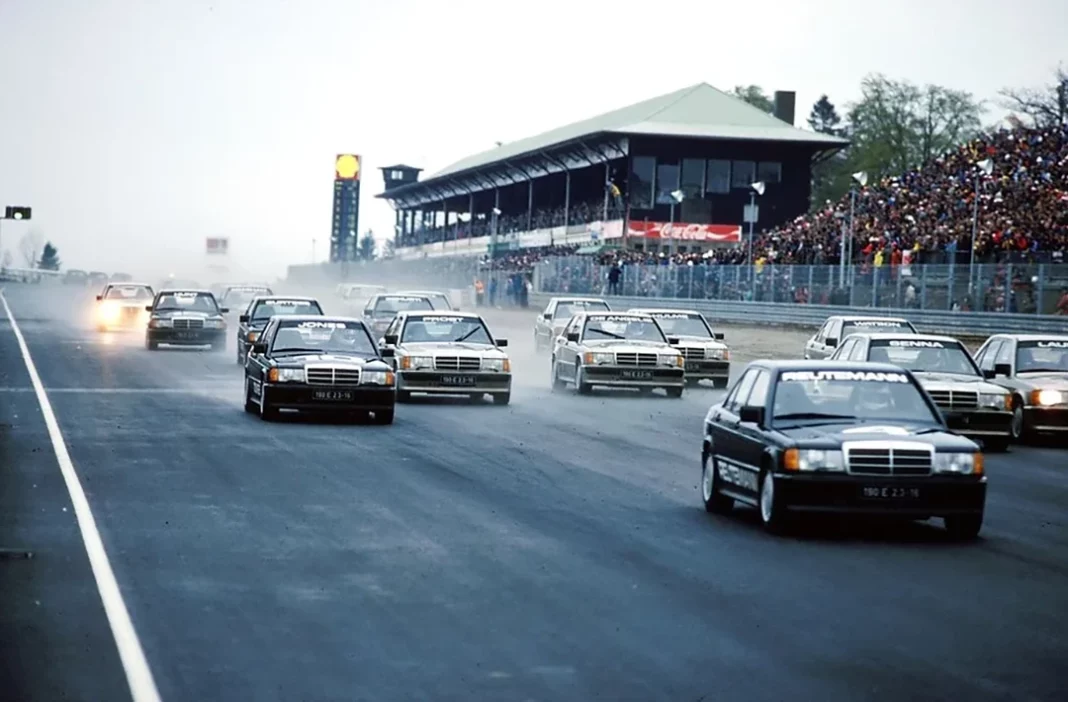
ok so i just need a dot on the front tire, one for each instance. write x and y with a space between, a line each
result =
250 402
581 385
267 411
502 398
964 527
557 383
151 345
998 445
773 514
715 501
1020 432
384 416
673 392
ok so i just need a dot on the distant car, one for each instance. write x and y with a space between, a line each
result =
97 279
439 299
320 364
550 323
1034 369
834 329
121 278
185 318
122 305
380 310
354 296
972 406
236 297
451 353
76 277
259 311
800 437
707 357
616 349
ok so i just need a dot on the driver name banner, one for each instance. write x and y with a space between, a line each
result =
848 376
915 344
1052 344
675 315
323 325
875 323
623 319
442 320
285 303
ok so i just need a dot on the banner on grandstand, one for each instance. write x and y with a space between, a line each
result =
716 233
217 245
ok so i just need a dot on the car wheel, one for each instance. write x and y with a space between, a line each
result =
267 411
384 416
997 445
1019 426
693 382
557 383
772 513
404 396
581 385
502 398
715 502
250 402
151 345
720 383
673 392
964 527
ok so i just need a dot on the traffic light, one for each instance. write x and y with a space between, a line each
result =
14 212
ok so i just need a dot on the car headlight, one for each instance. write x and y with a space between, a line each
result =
672 359
252 336
597 357
814 460
500 365
376 377
997 400
286 375
157 323
219 323
1045 398
416 362
716 354
109 311
959 463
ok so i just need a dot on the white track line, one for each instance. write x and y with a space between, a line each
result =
134 663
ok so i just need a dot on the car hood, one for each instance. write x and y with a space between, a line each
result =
836 434
187 314
1045 381
618 346
948 381
699 341
430 349
333 359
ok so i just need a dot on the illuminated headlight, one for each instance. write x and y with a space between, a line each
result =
376 377
994 400
812 460
500 365
672 359
252 336
109 312
286 375
597 357
157 323
1045 398
416 362
215 323
958 463
716 354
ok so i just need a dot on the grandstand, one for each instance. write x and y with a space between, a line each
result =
672 173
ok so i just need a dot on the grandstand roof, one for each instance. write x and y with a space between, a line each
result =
699 111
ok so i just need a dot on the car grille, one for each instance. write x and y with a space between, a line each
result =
188 323
888 461
955 399
330 375
457 363
635 359
692 354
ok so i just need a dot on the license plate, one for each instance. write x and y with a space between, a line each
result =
636 375
457 380
870 492
333 395
185 335
693 365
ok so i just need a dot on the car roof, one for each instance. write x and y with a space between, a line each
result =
662 310
610 313
303 298
317 318
397 294
816 365
1034 337
866 317
127 283
440 313
420 292
883 336
578 298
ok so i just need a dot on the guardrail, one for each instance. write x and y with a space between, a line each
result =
967 324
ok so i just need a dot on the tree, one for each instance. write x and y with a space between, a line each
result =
367 246
1042 107
824 118
830 177
389 248
755 96
49 258
30 247
897 126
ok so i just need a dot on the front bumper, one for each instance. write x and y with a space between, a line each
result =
933 496
312 398
989 423
186 337
634 377
708 369
1046 419
453 382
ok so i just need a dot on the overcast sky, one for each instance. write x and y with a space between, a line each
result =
136 128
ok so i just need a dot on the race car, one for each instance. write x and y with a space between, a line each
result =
122 305
616 349
448 353
185 318
800 437
550 323
380 310
121 278
707 357
319 364
260 310
354 296
439 299
237 296
945 369
98 279
834 329
76 277
1034 369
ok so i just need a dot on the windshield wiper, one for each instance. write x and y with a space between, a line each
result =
608 334
1043 370
276 351
468 335
813 415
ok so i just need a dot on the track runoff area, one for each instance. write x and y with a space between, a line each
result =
555 548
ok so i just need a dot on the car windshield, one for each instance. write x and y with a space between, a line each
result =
683 324
389 306
187 302
863 395
323 337
924 356
626 328
129 292
1044 356
237 296
265 309
873 326
567 310
422 329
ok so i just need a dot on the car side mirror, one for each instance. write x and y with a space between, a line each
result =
753 415
718 336
388 353
243 319
546 315
573 336
259 348
390 339
989 373
1002 369
148 308
224 310
673 340
831 342
99 298
501 342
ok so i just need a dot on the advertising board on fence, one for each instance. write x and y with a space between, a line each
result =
713 233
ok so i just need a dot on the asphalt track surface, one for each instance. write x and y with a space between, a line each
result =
554 549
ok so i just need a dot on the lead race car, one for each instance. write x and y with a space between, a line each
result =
796 437
971 405
616 349
707 357
382 308
260 310
185 318
319 364
1034 369
122 306
448 353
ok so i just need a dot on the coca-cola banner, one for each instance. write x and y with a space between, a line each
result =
719 233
